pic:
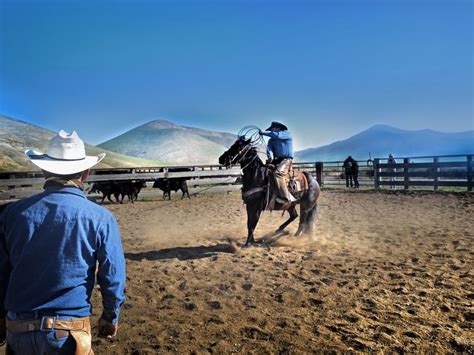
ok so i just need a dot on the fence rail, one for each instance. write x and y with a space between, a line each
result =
435 172
426 172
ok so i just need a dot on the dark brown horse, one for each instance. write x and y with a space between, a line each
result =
255 181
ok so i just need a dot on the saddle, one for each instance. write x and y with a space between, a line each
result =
296 183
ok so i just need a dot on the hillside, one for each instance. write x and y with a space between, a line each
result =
381 140
17 136
165 141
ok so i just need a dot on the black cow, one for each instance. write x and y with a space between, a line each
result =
119 189
131 189
168 185
107 188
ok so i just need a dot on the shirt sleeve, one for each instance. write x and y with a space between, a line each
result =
111 270
269 150
5 266
277 134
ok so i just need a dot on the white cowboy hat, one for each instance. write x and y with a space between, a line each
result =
66 155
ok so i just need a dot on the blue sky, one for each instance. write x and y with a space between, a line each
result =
327 68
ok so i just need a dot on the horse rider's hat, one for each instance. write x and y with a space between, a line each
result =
279 125
66 155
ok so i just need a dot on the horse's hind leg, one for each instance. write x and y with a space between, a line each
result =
308 226
303 221
293 216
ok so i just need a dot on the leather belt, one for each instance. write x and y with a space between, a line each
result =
47 323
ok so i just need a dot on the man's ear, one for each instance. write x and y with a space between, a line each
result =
85 175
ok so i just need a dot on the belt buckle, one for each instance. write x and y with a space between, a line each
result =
41 328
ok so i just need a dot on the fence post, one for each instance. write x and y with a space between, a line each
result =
435 173
469 173
405 173
319 172
375 166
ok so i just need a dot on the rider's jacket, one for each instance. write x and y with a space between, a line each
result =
280 144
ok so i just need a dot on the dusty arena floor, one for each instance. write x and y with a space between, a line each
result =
385 272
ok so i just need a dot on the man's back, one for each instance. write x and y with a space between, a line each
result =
50 248
280 144
54 241
347 165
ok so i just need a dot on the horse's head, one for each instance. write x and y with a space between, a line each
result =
236 152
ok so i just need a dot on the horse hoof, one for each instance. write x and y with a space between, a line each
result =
280 233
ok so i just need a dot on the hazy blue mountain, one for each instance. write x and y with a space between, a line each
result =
165 141
381 140
17 136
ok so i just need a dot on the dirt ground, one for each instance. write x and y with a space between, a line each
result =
385 272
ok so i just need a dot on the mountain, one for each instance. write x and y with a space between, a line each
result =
381 140
168 142
17 136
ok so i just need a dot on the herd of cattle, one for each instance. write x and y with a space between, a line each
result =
131 189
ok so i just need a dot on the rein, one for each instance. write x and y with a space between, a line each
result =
246 149
252 191
237 159
250 162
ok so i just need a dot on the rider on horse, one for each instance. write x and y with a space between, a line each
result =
280 154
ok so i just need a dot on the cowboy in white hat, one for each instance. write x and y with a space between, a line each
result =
51 247
280 154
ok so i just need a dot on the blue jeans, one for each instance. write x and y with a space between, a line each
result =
38 342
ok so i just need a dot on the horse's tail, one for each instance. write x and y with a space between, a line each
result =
313 191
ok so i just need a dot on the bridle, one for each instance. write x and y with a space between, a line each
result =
241 155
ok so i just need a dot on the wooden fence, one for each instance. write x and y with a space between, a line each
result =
200 178
435 172
332 172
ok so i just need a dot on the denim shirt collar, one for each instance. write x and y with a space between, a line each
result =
65 190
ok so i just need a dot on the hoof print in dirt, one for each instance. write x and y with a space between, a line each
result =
279 298
462 345
354 343
400 290
255 333
247 286
352 318
214 304
469 316
316 302
445 308
411 334
190 306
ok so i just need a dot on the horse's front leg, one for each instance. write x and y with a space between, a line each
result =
253 215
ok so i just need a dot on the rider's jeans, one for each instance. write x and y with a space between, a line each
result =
38 342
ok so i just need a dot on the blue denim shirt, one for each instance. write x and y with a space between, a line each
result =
51 245
280 144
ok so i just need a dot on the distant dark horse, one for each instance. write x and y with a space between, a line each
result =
254 190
